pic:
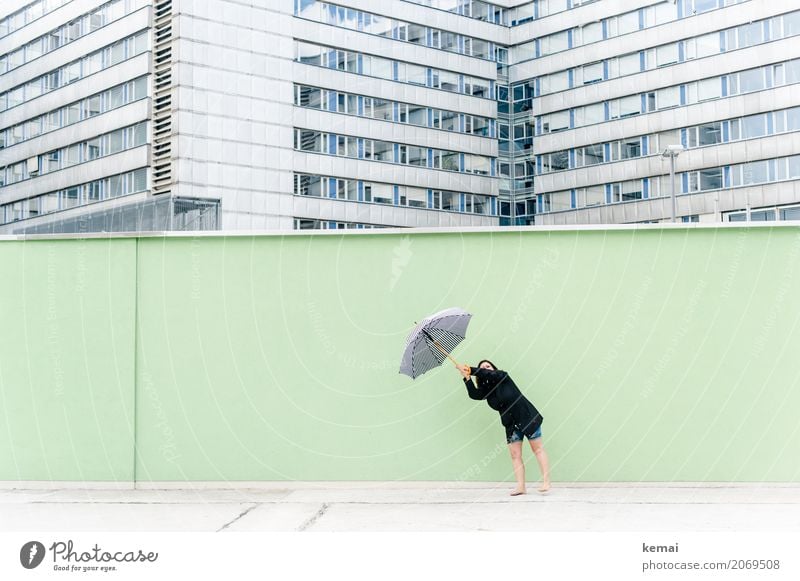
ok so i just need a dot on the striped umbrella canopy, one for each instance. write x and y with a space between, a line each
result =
432 340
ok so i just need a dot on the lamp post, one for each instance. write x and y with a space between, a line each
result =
672 151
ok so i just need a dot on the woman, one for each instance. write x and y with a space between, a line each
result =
517 414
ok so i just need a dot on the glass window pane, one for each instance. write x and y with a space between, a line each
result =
665 12
417 197
630 148
666 55
480 48
418 116
751 34
309 54
591 155
707 45
555 82
34 127
417 156
72 113
524 52
791 24
629 64
417 34
752 80
139 88
755 172
555 161
93 149
709 89
382 109
374 24
710 179
631 190
92 64
554 43
793 119
448 81
383 151
115 186
309 97
139 135
668 97
709 134
590 114
72 155
117 54
762 216
592 33
592 73
794 166
628 22
793 71
70 197
449 41
16 134
790 213
480 88
71 73
704 5
591 196
417 75
92 106
557 121
626 106
754 126
115 141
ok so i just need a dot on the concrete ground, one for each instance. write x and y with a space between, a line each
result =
404 506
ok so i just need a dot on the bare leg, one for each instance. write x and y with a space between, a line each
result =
519 467
544 466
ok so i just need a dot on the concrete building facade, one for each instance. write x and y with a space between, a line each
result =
615 84
283 114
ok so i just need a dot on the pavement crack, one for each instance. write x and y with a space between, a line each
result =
310 522
225 526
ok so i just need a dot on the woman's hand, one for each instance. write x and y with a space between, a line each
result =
465 371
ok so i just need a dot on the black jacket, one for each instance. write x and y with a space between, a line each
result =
503 396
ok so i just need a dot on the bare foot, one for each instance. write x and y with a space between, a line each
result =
544 487
517 492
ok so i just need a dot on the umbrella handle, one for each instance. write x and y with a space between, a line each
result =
450 357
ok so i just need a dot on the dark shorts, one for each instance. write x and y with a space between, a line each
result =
515 433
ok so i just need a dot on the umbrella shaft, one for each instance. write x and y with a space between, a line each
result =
435 342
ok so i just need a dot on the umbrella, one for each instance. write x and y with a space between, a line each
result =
432 340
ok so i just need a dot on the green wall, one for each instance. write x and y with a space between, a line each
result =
654 355
67 313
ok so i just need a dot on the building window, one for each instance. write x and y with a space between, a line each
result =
591 196
746 174
625 65
589 114
704 180
589 155
626 149
556 201
554 82
553 122
706 134
626 191
592 73
625 107
556 161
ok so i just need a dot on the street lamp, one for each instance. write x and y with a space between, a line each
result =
672 151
